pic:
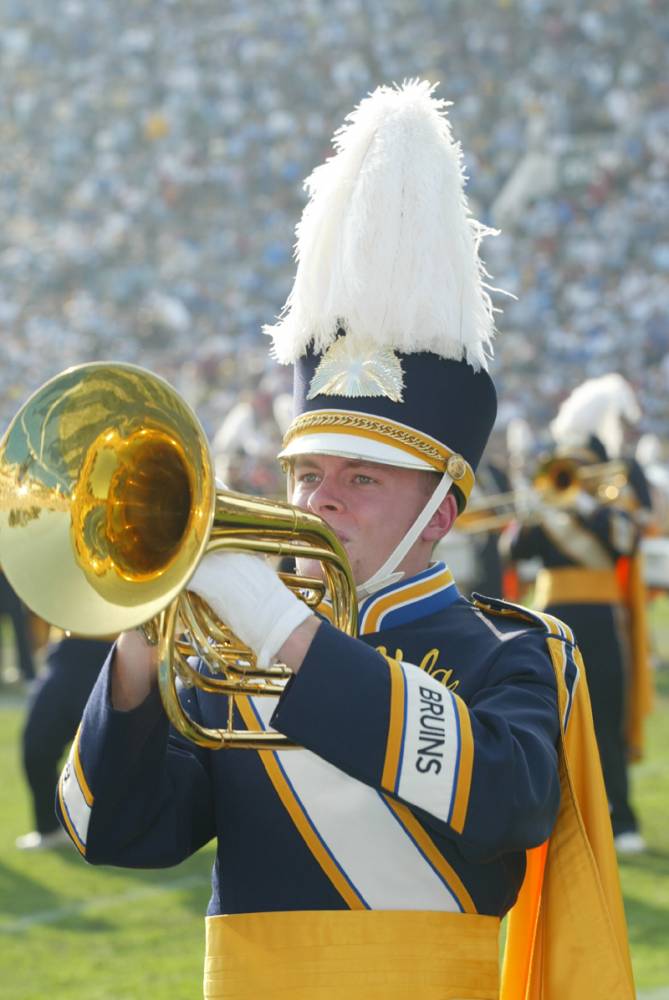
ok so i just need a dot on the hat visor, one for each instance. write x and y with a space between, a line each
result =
354 447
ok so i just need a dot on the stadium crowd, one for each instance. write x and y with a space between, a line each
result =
154 154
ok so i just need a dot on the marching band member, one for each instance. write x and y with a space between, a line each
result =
588 550
55 705
444 745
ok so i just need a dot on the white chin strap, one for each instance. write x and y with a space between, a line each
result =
388 573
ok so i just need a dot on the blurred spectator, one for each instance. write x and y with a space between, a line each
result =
54 713
246 444
651 456
11 606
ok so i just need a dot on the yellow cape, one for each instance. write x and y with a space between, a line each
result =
566 935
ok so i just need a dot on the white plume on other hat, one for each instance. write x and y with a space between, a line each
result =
597 406
386 248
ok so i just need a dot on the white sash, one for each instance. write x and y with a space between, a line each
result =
366 838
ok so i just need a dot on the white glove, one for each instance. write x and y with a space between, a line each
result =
250 598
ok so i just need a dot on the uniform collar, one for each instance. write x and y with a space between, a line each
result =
400 603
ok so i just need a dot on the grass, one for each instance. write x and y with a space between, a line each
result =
645 877
72 932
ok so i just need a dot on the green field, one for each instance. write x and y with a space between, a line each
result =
75 932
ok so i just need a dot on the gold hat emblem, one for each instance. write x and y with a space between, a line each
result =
456 467
349 369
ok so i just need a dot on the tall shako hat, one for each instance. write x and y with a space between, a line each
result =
389 322
592 417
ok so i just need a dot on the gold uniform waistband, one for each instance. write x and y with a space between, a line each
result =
352 955
576 586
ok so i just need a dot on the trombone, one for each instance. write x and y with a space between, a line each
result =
556 482
107 504
488 513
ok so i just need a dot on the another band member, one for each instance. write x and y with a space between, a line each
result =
54 711
588 547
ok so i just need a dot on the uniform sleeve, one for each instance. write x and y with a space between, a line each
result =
484 772
132 793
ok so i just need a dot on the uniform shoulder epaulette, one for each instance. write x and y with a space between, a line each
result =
517 612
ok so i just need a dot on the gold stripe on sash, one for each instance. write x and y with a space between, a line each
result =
352 955
576 586
81 777
427 846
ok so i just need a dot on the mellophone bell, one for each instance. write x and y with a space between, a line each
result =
108 502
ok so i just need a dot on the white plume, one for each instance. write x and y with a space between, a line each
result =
386 247
597 406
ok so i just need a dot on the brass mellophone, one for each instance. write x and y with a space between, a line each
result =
107 504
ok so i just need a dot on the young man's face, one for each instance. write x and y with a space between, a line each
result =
369 506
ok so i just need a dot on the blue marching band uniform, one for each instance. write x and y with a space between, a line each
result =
409 755
423 723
